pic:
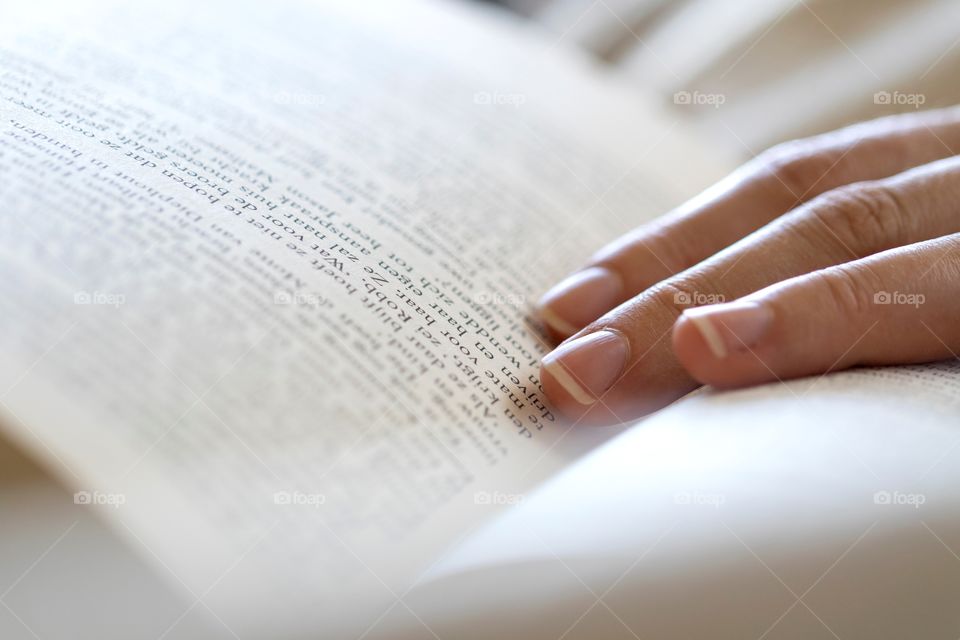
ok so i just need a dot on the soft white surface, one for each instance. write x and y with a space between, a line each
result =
63 574
733 516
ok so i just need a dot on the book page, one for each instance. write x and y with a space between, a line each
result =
268 274
718 514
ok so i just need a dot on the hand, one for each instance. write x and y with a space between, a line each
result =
818 255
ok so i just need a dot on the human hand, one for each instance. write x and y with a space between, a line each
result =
823 254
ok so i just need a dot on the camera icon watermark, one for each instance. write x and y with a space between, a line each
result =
299 298
102 298
899 99
697 298
696 498
900 298
492 298
115 500
300 98
699 99
498 98
299 498
497 498
899 498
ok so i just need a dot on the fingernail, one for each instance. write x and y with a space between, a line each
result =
588 366
730 327
580 299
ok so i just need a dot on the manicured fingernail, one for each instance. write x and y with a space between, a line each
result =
580 299
730 327
588 366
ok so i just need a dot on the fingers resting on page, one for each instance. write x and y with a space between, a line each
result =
818 255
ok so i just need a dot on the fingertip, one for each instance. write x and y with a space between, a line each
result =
560 398
693 351
580 299
717 344
577 375
559 328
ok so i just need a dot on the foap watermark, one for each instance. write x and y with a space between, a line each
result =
102 298
499 98
699 99
899 498
497 498
299 298
715 500
300 98
115 500
697 298
899 99
299 498
508 299
898 297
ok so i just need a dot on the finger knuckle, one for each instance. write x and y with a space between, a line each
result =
646 317
660 249
670 249
864 218
938 260
797 167
849 289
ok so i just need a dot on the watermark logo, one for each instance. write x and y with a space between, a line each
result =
300 298
899 99
899 498
114 500
699 99
300 99
299 498
509 299
900 298
102 298
697 298
498 98
715 500
497 498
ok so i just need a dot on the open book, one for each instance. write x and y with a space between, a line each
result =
267 275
